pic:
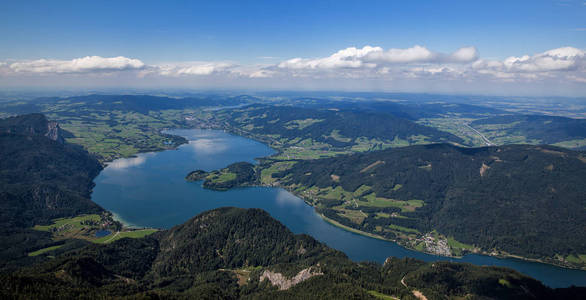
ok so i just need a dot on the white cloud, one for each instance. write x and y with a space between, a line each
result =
464 55
565 59
204 69
347 58
198 68
369 63
409 55
371 57
78 65
262 74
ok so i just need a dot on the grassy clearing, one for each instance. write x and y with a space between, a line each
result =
78 222
382 215
372 166
266 175
337 193
382 296
134 234
225 177
404 229
301 124
504 282
44 250
420 246
355 216
572 144
78 227
335 134
458 245
577 259
338 224
405 206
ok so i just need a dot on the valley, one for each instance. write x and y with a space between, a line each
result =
312 160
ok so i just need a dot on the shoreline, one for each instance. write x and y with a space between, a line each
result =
267 142
503 255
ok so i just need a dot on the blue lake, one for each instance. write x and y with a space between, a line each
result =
102 233
150 191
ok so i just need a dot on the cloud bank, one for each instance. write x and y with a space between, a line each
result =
79 65
416 64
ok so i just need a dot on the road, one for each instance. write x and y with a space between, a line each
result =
419 295
113 237
485 139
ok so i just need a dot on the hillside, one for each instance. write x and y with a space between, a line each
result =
232 253
125 103
517 199
305 133
534 129
41 178
114 126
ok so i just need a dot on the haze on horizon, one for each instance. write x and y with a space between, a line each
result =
497 47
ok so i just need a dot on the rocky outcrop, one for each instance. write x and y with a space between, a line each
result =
277 279
31 125
54 132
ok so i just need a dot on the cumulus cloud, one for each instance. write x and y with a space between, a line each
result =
559 59
464 55
78 65
419 62
568 61
371 57
409 55
565 64
262 74
347 58
198 68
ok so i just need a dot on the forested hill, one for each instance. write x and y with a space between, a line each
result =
41 178
536 129
125 103
339 128
522 199
232 253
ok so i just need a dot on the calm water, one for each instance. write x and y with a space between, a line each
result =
102 233
150 191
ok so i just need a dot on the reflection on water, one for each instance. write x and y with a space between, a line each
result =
124 163
209 146
150 190
285 198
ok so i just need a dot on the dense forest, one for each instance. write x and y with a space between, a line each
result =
224 253
234 175
521 199
125 103
319 124
544 129
41 178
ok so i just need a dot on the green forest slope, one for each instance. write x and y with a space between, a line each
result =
41 178
516 199
232 253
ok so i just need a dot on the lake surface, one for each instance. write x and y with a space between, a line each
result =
102 233
150 191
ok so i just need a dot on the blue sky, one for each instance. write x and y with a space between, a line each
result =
251 35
